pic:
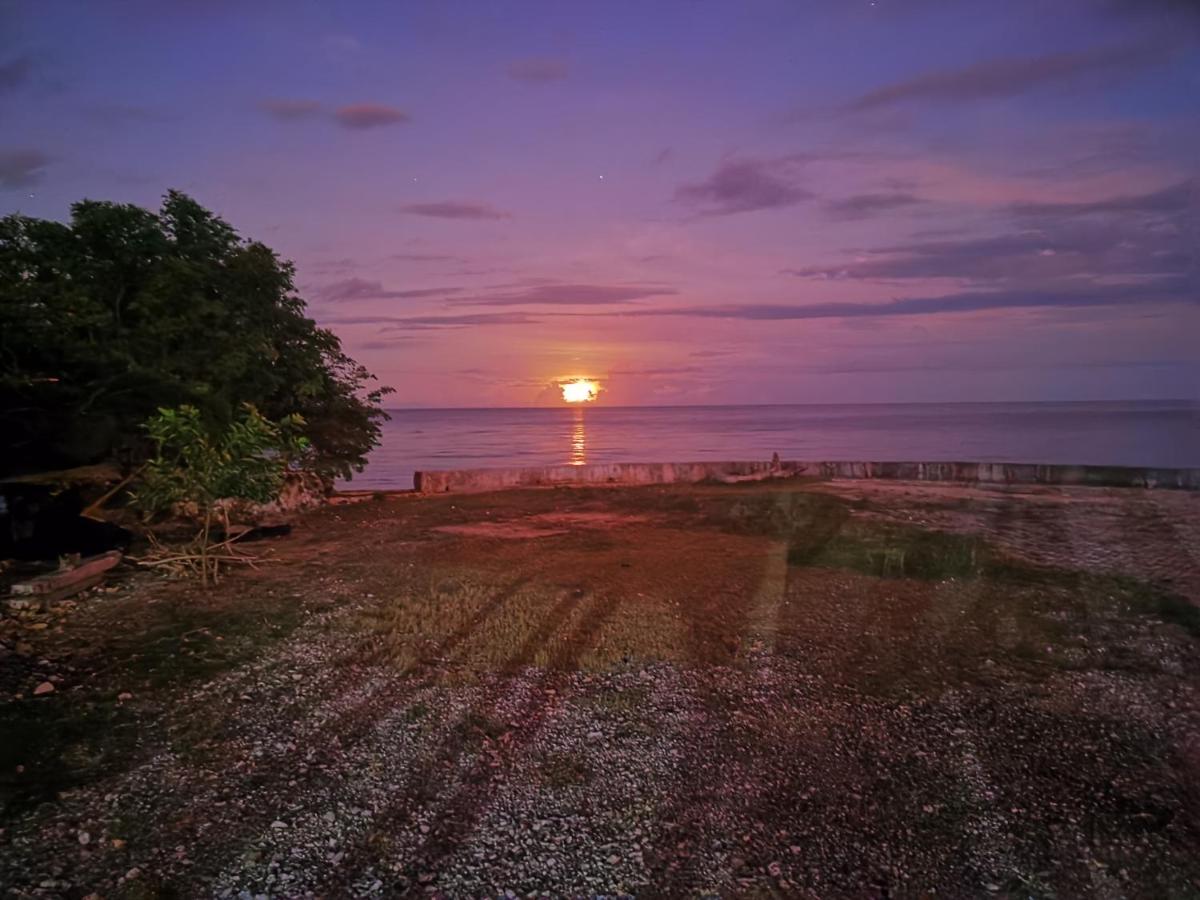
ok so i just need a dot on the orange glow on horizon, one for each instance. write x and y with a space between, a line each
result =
581 390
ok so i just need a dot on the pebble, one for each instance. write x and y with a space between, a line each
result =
44 688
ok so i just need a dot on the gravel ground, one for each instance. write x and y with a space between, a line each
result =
812 731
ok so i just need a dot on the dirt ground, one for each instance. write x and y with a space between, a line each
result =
840 689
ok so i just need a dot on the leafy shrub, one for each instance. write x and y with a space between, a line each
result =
194 468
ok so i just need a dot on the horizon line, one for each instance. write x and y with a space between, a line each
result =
581 406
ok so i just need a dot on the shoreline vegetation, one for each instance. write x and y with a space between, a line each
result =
796 686
122 312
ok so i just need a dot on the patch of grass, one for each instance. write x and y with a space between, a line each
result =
893 552
477 727
622 703
563 769
1178 611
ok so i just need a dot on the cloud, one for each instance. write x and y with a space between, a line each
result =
390 343
1115 236
744 185
369 115
538 70
21 168
1010 77
14 73
427 257
1159 291
451 209
361 289
1174 198
290 109
1026 255
1161 12
862 206
567 295
461 321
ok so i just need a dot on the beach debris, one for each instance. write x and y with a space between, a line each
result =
71 578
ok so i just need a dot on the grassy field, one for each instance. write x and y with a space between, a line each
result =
813 689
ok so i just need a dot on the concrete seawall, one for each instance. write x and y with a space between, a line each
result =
461 481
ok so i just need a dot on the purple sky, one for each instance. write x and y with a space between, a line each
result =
692 202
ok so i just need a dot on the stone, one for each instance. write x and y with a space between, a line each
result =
44 688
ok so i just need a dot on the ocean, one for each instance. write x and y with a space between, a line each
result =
1151 433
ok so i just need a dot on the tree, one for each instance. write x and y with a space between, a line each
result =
123 311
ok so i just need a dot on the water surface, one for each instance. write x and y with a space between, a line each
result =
1158 433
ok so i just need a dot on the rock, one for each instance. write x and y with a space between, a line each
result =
44 688
84 838
133 874
278 825
118 844
595 735
123 696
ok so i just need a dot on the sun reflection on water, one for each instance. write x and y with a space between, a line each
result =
578 440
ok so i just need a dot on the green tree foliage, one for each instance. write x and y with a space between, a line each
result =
123 311
191 465
196 468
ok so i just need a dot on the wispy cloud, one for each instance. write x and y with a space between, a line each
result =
369 115
290 109
1010 77
14 73
1159 291
862 206
357 116
453 209
538 70
566 295
427 257
362 289
1134 235
1179 197
390 343
21 168
744 185
418 323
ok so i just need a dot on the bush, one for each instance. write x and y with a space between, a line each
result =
193 469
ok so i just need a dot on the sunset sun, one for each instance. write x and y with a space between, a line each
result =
581 390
